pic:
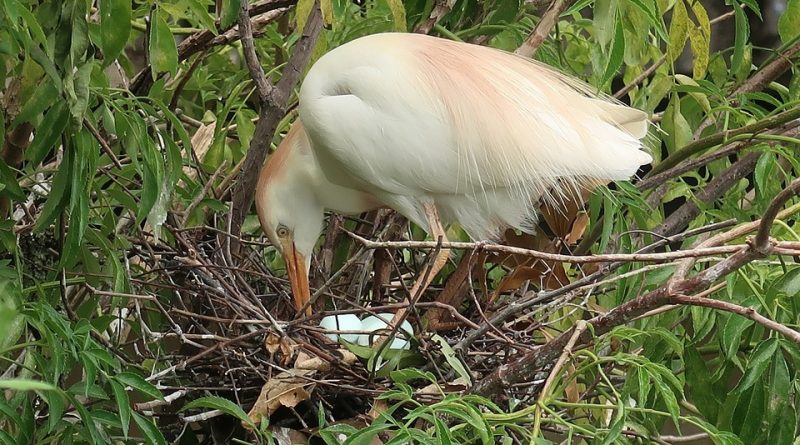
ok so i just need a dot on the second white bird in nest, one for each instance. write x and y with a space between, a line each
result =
434 128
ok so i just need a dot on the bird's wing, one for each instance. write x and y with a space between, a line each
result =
411 114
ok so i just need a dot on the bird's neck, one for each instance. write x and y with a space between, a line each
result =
331 195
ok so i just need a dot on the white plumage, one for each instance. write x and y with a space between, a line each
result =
408 121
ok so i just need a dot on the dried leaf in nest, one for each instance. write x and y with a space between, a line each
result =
379 406
568 221
435 389
571 390
544 274
319 364
283 344
286 389
201 142
288 436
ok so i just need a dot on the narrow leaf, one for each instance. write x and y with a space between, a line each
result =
115 27
48 133
759 361
123 405
163 52
617 53
789 23
678 30
224 405
140 384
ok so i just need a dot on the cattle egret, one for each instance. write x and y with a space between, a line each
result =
430 128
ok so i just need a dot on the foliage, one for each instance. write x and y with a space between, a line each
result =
117 285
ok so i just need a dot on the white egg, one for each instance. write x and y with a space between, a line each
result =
376 323
345 323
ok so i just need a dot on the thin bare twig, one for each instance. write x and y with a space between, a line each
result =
274 102
543 28
746 312
578 259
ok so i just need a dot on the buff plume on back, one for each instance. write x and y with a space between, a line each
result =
483 132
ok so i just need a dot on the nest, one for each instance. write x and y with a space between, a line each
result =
210 322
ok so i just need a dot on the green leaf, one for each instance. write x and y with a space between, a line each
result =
138 383
732 334
26 385
8 179
79 41
442 432
229 14
452 359
790 282
679 133
678 31
199 11
398 14
43 96
55 411
163 52
617 53
650 8
76 85
700 41
150 431
224 405
48 134
779 395
789 23
605 18
740 41
59 192
758 363
301 12
123 405
115 27
704 394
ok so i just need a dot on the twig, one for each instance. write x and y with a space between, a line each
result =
440 9
746 312
641 77
717 187
263 86
580 326
578 259
526 367
762 236
790 129
543 28
720 137
274 102
103 143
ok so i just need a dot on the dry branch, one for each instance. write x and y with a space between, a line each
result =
274 101
672 292
543 28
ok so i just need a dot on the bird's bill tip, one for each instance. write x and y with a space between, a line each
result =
298 278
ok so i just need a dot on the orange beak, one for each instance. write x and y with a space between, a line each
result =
298 277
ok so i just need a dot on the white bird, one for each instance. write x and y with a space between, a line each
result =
430 128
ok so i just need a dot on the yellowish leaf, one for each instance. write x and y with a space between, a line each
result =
678 30
398 14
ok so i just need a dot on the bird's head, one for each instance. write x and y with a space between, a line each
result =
289 211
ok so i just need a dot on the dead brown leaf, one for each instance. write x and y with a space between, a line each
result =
286 389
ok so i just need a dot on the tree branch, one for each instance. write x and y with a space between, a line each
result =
746 312
274 102
543 28
671 292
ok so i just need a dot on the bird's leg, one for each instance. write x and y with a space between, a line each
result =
431 268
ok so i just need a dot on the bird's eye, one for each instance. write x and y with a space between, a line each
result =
282 232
